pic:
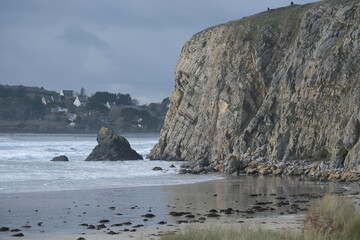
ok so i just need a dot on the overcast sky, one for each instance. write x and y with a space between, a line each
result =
127 46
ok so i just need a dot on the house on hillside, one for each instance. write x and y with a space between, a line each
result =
50 99
68 93
80 101
71 117
46 100
59 110
110 105
56 99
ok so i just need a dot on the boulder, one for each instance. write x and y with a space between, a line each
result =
234 164
157 169
251 171
61 158
112 147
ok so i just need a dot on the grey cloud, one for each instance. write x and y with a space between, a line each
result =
76 35
128 46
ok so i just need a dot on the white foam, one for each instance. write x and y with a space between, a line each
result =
25 165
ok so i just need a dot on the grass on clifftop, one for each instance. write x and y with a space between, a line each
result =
331 218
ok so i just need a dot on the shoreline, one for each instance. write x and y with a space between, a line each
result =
145 209
277 223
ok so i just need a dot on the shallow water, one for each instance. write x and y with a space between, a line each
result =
25 165
63 195
63 211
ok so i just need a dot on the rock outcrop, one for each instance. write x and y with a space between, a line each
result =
61 158
279 87
112 147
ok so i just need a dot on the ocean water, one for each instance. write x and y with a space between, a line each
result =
25 165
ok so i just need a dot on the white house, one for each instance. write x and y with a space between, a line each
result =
80 101
71 116
59 110
110 105
49 99
68 93
46 100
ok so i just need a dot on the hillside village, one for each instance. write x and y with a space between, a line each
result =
32 109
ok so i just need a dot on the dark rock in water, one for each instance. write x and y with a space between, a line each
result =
182 221
104 221
157 169
100 226
117 225
212 214
172 166
178 214
18 235
4 229
91 227
61 158
138 226
112 147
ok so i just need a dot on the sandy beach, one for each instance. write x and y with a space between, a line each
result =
277 223
146 212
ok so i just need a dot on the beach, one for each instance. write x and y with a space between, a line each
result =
41 199
144 212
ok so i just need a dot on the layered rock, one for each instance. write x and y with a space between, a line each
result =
112 147
281 86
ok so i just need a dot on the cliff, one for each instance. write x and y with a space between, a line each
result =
281 86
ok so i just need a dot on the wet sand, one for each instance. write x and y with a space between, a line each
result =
143 212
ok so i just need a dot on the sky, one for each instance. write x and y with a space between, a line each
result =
120 46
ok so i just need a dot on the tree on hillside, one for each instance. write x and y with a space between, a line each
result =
103 97
123 99
96 108
82 92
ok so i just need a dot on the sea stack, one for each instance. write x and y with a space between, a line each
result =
282 86
112 147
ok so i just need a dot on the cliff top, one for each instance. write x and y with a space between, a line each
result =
275 17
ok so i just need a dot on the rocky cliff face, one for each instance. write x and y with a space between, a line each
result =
281 86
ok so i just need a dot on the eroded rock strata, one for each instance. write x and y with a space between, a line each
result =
112 147
279 87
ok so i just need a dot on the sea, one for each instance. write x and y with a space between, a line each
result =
25 165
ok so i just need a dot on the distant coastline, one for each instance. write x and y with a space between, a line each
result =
25 109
